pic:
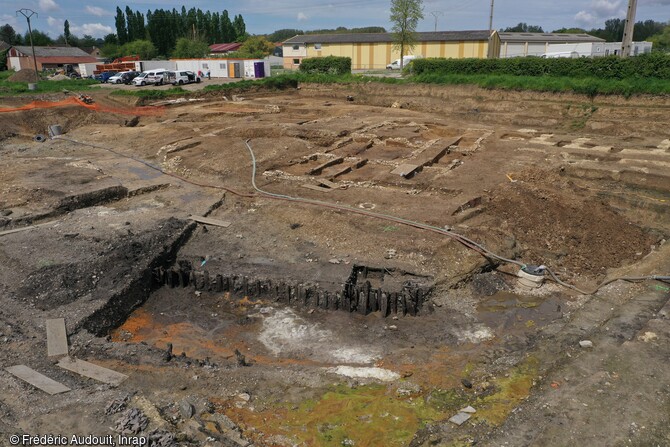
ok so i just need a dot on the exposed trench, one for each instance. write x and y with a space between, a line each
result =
357 294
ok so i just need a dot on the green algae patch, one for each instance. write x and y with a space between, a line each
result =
510 392
367 415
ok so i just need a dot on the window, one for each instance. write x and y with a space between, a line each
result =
317 46
222 66
296 47
296 61
206 66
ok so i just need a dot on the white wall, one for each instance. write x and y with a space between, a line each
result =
585 49
155 65
219 67
15 63
87 69
249 70
513 49
290 52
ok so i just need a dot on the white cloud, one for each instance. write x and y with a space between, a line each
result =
301 17
92 29
605 8
97 11
599 11
13 22
51 21
586 19
48 5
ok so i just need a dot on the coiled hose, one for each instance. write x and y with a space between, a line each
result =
469 243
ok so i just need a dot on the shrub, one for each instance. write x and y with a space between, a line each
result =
326 65
655 65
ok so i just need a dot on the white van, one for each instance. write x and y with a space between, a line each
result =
150 77
395 65
559 54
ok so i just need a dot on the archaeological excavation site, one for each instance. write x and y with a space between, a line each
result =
336 265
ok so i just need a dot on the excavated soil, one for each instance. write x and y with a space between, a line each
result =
322 311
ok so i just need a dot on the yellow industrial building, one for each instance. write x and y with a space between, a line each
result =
371 51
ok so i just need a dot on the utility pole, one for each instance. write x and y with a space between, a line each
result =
491 19
436 14
28 13
627 41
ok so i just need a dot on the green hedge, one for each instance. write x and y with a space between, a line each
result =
327 65
655 65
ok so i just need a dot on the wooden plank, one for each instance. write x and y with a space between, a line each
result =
436 151
37 380
405 169
209 221
341 171
56 337
316 188
328 183
30 227
92 371
327 164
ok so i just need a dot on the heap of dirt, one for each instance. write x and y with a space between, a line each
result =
557 225
59 77
23 75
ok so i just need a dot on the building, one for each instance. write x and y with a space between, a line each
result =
537 44
614 48
20 57
93 51
370 51
220 49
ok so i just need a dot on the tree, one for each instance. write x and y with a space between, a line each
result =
405 16
522 27
570 31
144 48
8 35
187 48
111 51
662 40
646 29
40 39
121 30
87 41
284 34
66 31
240 28
110 38
227 30
255 47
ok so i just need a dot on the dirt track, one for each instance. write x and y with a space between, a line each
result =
302 324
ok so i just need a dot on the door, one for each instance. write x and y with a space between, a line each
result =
259 70
237 70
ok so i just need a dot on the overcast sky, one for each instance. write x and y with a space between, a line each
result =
96 18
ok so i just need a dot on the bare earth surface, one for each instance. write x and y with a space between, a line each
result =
284 323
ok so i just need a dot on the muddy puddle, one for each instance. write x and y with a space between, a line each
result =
371 378
506 311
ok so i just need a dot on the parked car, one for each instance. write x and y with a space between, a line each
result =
395 65
104 76
150 77
182 77
124 77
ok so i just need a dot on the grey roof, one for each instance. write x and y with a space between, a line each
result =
439 36
54 51
547 37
